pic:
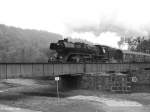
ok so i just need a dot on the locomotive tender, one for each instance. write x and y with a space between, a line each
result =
80 52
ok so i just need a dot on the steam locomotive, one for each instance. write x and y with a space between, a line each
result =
80 52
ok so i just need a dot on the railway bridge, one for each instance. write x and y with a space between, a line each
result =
69 72
29 70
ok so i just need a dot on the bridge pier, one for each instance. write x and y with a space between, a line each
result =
112 82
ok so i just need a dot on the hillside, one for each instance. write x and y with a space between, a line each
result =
23 45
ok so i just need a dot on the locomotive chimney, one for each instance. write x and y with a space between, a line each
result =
66 40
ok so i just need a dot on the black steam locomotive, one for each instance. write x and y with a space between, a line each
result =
80 52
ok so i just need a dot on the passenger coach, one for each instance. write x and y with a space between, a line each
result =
129 56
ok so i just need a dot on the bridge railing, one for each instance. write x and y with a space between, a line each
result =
15 70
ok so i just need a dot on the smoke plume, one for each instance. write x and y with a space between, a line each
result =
107 31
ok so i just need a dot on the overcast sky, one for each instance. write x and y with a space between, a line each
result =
99 21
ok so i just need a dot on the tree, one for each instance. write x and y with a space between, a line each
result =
144 46
133 43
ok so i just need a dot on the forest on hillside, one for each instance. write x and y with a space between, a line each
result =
23 45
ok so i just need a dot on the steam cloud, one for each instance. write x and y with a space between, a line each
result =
107 31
